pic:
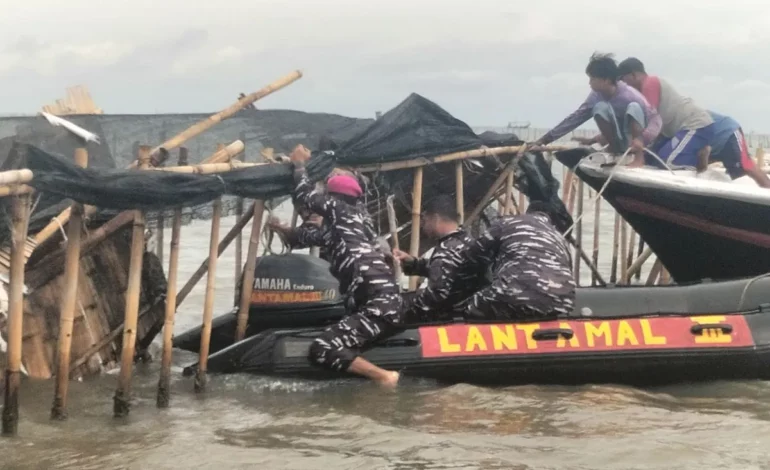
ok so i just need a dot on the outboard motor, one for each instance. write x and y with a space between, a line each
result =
289 291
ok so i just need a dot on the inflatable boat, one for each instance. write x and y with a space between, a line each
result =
631 334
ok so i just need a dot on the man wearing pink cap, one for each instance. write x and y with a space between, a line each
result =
358 262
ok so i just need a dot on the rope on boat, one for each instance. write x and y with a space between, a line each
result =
268 235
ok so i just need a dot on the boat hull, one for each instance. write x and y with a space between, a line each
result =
696 236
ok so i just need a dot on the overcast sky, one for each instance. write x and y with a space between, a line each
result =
487 62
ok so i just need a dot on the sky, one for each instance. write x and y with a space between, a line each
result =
488 62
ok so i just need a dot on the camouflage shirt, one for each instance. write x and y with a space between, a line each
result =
442 267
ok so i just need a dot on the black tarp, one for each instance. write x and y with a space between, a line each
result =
416 128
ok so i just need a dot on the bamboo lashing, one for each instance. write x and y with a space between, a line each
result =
230 111
248 271
208 305
414 244
122 398
20 220
450 157
164 382
69 301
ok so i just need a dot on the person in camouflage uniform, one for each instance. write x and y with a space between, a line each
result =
441 298
365 276
531 265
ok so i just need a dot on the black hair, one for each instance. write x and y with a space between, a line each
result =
630 65
443 206
602 66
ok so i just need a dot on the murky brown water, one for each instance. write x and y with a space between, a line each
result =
254 422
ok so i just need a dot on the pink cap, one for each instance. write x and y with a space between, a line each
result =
344 184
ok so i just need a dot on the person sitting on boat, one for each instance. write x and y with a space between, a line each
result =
360 265
728 145
440 221
531 268
687 128
624 117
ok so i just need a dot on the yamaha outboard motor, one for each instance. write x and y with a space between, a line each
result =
289 291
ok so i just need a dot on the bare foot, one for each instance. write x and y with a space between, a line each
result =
390 380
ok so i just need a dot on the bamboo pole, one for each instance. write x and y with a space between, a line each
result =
665 276
631 248
459 191
231 110
164 382
208 305
14 177
657 266
393 226
623 251
639 253
490 194
508 198
69 302
203 268
20 220
248 273
414 243
122 398
636 267
450 157
161 222
597 231
579 229
615 246
16 190
238 241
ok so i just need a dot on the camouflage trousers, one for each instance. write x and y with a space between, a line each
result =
507 299
340 344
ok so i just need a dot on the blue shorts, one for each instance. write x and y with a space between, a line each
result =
735 155
682 149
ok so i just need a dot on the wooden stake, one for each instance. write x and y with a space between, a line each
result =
164 382
414 244
208 306
631 248
657 266
122 398
579 229
615 246
248 273
67 315
20 219
238 240
636 267
597 231
459 191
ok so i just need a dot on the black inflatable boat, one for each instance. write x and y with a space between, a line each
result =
634 335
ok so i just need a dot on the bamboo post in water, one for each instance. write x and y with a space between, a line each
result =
459 191
579 230
164 382
623 251
122 398
67 314
393 226
414 243
248 271
615 246
20 220
208 306
597 231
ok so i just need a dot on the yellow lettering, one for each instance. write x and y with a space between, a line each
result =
443 342
711 335
505 338
626 334
648 336
593 331
528 329
475 339
561 342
